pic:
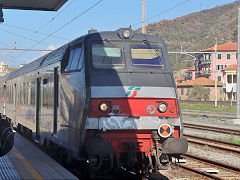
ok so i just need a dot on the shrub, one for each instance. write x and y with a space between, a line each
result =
199 93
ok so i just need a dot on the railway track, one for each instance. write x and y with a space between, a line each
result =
213 129
209 168
222 145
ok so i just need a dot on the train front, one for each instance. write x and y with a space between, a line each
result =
134 120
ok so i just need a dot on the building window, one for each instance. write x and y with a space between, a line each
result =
182 91
209 56
221 66
234 78
229 95
228 56
219 78
229 78
188 91
218 67
219 56
236 55
234 96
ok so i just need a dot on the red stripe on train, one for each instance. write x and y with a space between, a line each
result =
135 107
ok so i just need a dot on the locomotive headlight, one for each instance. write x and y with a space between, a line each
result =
126 33
104 107
162 107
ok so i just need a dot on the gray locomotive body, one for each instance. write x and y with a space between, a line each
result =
104 94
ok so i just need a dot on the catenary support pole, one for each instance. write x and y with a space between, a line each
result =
238 68
215 73
143 16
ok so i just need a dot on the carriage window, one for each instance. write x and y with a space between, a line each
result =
106 57
69 60
45 92
25 93
81 59
32 93
73 60
76 57
147 57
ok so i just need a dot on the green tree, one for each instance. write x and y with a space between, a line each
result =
199 93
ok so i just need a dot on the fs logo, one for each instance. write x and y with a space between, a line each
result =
132 91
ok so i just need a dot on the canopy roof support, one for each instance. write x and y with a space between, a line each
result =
44 5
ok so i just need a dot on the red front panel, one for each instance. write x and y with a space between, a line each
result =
135 107
121 139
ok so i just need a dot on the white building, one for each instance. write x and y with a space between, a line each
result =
3 68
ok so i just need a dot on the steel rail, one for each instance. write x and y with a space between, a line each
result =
211 162
200 172
214 145
212 128
224 165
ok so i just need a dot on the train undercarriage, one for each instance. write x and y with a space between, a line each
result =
139 151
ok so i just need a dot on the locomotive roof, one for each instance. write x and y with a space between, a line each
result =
57 54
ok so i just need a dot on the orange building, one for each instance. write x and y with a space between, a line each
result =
185 88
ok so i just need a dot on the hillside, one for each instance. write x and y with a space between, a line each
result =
188 31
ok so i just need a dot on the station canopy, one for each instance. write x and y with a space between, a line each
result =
45 5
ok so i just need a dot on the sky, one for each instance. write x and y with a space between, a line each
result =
49 30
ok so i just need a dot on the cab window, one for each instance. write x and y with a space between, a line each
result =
74 60
107 57
147 57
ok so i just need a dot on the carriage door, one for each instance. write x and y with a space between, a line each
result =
15 101
55 100
38 105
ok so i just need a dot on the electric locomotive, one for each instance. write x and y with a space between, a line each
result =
106 99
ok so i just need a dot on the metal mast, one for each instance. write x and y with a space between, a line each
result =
143 16
215 73
238 68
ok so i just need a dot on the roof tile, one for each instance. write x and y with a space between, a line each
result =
199 81
232 67
224 47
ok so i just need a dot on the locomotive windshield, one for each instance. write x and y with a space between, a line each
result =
147 57
107 57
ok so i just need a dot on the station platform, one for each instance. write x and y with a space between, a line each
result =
26 161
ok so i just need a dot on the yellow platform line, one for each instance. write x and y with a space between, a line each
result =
28 166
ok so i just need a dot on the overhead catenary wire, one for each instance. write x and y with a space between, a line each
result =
37 31
7 56
214 32
52 19
163 12
66 24
219 29
21 36
29 30
5 44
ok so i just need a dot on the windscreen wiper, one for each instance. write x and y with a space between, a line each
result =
149 45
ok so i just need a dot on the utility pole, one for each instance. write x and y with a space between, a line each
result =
238 68
216 73
143 16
